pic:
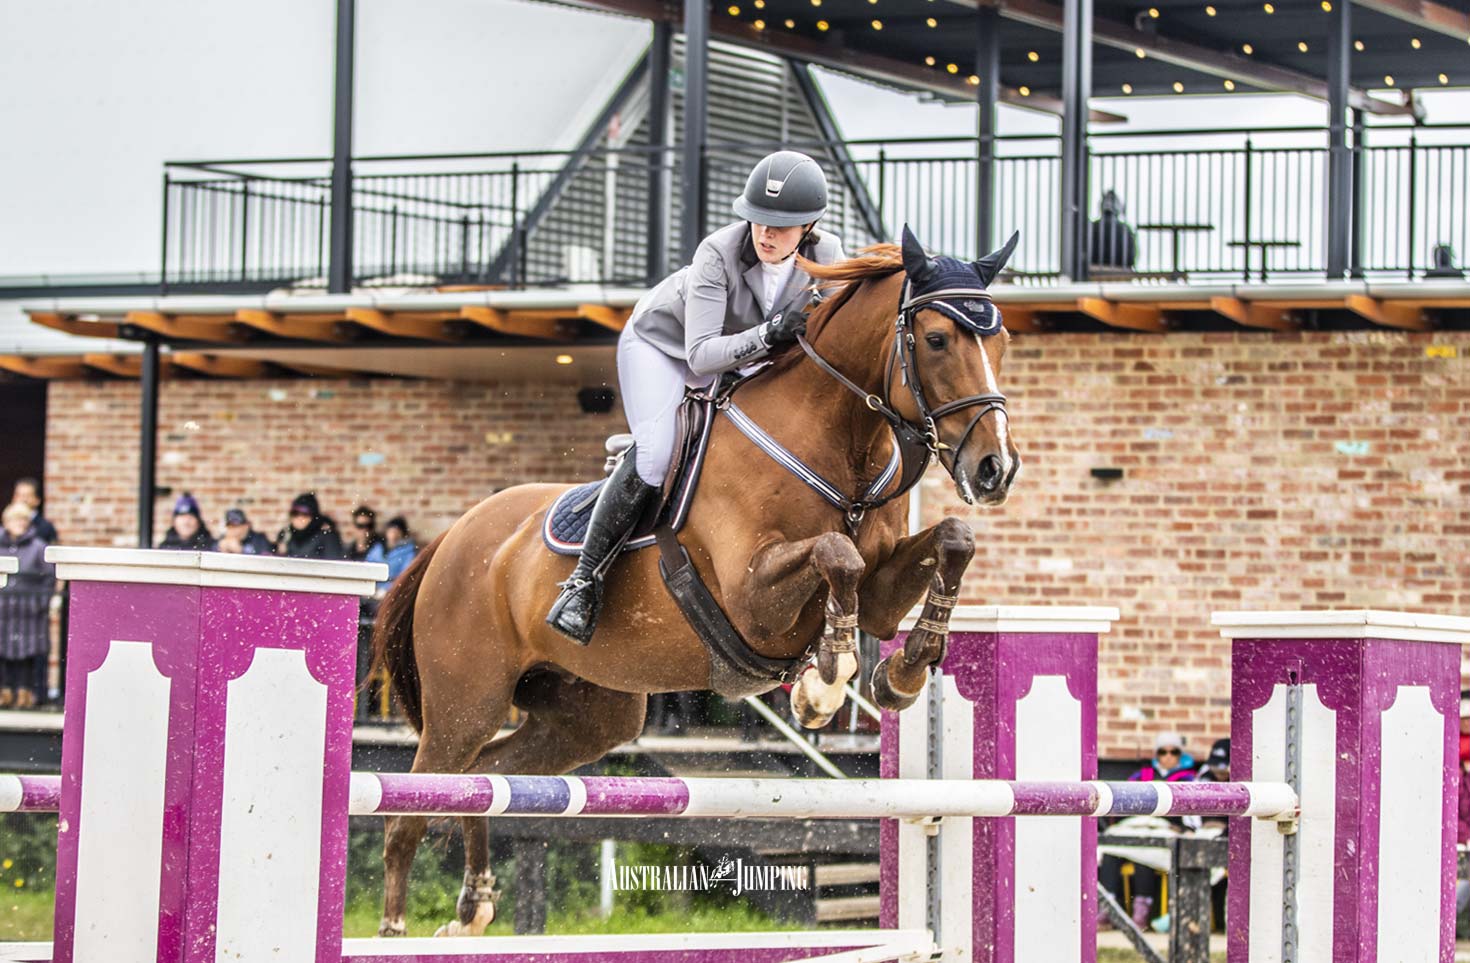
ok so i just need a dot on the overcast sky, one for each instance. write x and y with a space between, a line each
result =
99 95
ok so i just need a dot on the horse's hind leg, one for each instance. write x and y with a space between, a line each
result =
442 748
571 722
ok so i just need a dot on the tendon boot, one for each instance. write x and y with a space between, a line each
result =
621 501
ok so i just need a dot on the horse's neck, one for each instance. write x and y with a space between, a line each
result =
827 426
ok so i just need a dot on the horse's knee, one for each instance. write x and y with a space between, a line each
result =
839 560
954 539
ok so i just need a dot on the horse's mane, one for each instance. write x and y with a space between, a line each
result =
875 261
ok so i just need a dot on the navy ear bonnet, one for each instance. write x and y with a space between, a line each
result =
963 306
953 287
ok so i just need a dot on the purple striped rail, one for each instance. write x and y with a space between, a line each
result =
387 794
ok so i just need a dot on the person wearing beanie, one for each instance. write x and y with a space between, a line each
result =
309 533
188 533
240 536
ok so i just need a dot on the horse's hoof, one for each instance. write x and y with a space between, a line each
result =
884 695
483 916
392 927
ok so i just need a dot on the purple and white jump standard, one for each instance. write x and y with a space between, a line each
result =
1356 708
1374 700
208 724
206 786
1016 698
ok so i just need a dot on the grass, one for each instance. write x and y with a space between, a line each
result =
362 920
25 915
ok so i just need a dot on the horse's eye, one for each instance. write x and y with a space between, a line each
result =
936 341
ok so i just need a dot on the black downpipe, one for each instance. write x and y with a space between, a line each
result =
148 442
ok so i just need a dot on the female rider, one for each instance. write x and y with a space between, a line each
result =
742 297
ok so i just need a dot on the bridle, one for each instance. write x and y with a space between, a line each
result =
917 442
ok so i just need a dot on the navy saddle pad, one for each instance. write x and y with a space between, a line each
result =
566 522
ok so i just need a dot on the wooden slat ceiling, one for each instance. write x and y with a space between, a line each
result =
278 341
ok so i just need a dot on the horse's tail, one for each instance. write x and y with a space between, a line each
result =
393 635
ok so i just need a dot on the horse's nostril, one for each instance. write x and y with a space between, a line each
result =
990 472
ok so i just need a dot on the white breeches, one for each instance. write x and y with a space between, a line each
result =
652 385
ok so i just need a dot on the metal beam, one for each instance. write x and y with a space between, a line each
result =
857 188
339 270
901 73
148 441
660 158
1183 53
987 68
1076 93
834 56
1339 160
696 125
1426 14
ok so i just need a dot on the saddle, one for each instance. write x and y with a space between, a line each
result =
736 670
566 522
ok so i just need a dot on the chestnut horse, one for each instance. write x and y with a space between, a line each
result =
463 632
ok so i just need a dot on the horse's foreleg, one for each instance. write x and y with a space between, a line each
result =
789 573
934 560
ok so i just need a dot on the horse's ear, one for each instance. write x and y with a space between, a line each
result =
916 264
989 265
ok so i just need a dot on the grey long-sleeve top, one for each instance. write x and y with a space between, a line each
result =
707 313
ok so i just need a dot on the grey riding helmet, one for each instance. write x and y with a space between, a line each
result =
786 189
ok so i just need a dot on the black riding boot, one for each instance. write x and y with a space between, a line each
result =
619 504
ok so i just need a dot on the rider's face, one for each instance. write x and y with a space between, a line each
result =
775 244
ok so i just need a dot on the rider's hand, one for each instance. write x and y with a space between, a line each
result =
783 328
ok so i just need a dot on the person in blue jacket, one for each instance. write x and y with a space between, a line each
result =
397 549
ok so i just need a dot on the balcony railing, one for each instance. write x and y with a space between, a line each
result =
1199 205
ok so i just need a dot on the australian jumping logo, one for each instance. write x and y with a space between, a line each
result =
729 873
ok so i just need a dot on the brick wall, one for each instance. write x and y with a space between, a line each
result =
1261 470
427 450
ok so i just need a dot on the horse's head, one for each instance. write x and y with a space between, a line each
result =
951 344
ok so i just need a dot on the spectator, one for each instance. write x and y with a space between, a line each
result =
397 549
1170 763
1216 767
309 534
25 603
1110 241
241 538
188 532
364 536
28 493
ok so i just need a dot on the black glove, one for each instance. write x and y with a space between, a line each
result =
783 328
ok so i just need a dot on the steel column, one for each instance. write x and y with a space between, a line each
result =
696 123
659 63
987 68
1339 157
339 271
1076 93
1359 156
148 441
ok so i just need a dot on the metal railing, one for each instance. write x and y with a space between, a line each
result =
1198 205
